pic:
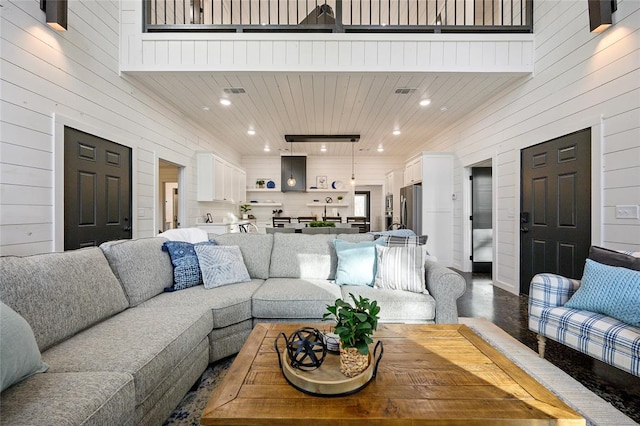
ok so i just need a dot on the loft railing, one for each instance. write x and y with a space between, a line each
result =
509 16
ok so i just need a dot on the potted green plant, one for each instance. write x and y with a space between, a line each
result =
355 325
260 183
321 224
245 209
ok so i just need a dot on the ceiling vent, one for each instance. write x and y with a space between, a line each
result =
404 91
322 138
234 90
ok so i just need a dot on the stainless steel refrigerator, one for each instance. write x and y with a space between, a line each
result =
411 208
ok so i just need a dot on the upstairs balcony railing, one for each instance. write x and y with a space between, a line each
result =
408 16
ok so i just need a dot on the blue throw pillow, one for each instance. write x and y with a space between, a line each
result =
18 349
609 290
356 261
186 269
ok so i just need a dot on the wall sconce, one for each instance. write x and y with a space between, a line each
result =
601 14
56 13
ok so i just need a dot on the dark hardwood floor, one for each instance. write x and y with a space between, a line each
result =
509 312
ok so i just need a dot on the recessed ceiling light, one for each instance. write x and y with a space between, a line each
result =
425 102
396 132
380 148
266 148
251 132
443 109
323 148
225 102
205 108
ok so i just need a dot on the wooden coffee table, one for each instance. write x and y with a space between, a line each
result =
429 374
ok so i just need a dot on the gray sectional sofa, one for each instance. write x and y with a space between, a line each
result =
120 350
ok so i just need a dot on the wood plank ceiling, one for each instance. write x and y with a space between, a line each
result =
275 104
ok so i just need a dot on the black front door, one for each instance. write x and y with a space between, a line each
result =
97 190
555 218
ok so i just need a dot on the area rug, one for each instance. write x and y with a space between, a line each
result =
597 411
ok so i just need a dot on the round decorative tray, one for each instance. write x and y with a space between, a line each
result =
327 380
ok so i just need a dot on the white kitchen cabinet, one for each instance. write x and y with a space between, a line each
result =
413 171
240 186
438 205
218 180
388 183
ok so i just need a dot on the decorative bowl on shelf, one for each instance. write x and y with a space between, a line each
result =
337 184
271 184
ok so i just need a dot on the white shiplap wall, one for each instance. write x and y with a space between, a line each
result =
581 80
52 79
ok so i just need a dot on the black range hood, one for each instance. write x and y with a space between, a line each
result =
296 166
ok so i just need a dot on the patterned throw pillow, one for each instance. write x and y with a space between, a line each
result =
415 240
221 265
186 270
609 290
400 268
356 261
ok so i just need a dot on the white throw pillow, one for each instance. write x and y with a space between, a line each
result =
221 265
400 268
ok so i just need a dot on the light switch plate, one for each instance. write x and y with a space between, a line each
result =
141 212
627 212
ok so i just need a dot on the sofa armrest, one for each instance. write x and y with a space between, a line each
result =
446 286
549 291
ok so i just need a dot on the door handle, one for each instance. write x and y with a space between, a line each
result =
524 229
127 226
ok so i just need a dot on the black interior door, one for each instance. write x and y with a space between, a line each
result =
555 218
97 190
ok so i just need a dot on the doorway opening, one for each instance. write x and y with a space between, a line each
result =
482 217
169 199
362 209
368 202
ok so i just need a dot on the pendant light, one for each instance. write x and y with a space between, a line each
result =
291 182
353 176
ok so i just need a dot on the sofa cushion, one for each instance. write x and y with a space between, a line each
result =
144 270
597 335
92 398
229 304
395 305
255 248
60 294
307 256
18 349
221 265
609 290
294 298
356 261
146 343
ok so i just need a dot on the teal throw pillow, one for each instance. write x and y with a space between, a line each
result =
609 290
18 349
356 261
